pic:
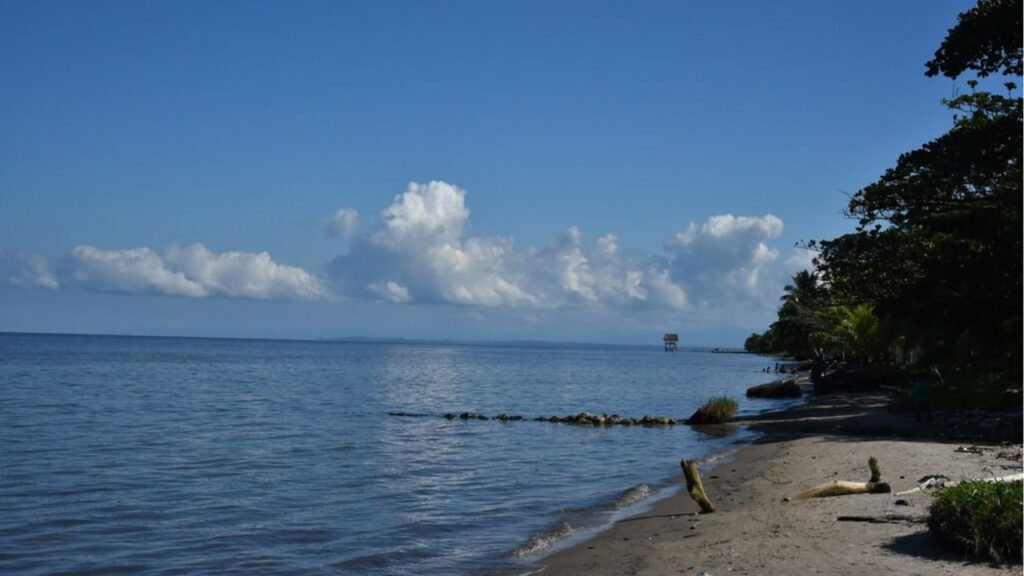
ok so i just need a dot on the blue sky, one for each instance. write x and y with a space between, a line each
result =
442 169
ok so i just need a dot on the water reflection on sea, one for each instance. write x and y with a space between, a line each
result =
165 455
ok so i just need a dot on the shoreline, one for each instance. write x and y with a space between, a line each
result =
754 531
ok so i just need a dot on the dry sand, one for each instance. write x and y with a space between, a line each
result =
754 531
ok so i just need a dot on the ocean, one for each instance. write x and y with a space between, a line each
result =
147 455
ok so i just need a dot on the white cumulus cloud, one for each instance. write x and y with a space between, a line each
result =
192 271
342 223
419 246
420 252
27 271
728 258
391 290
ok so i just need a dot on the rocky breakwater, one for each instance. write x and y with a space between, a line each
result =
588 419
580 419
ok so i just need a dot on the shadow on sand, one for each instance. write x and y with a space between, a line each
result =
858 416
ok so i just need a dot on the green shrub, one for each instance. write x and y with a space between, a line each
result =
980 518
715 411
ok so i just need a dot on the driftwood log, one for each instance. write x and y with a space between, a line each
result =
943 482
695 487
841 487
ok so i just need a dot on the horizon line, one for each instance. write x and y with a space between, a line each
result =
373 340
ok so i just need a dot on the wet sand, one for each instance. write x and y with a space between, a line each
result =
754 531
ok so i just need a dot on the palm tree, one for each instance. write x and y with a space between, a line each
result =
799 316
852 331
804 291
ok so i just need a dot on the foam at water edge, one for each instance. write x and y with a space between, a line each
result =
632 496
627 504
716 456
542 541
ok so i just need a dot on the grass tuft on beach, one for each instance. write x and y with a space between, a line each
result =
980 518
715 411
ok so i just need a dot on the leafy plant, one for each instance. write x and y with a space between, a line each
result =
980 518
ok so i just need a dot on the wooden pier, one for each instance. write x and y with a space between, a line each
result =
671 342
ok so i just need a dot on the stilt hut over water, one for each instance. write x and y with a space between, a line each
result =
671 342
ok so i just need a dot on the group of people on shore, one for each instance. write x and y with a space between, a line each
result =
780 369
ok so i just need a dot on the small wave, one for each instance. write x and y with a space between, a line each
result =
716 456
632 496
542 541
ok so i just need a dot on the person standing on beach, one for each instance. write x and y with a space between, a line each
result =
817 370
922 392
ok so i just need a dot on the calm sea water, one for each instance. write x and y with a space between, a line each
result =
181 456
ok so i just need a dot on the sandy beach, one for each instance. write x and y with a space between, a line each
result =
755 531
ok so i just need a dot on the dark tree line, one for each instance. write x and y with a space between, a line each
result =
935 258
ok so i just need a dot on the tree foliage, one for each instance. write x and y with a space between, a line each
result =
934 261
938 242
811 325
851 332
937 247
986 40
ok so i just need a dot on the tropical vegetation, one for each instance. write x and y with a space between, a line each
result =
932 270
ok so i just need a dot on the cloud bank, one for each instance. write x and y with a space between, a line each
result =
192 271
419 251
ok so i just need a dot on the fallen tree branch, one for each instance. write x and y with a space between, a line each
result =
842 487
931 483
887 519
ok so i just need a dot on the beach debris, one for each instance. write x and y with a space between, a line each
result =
938 481
887 519
842 487
1013 453
927 483
933 480
695 487
778 389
